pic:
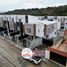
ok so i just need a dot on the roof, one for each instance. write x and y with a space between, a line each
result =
58 52
35 20
61 49
65 32
63 46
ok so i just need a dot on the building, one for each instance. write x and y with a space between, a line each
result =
63 20
58 53
65 34
41 28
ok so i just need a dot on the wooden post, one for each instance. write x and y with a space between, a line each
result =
8 28
34 29
47 54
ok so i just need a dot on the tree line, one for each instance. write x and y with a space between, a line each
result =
56 11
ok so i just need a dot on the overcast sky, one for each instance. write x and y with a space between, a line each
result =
6 5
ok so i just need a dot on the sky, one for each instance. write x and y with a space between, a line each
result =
8 5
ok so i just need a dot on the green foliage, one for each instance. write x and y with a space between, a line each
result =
57 11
